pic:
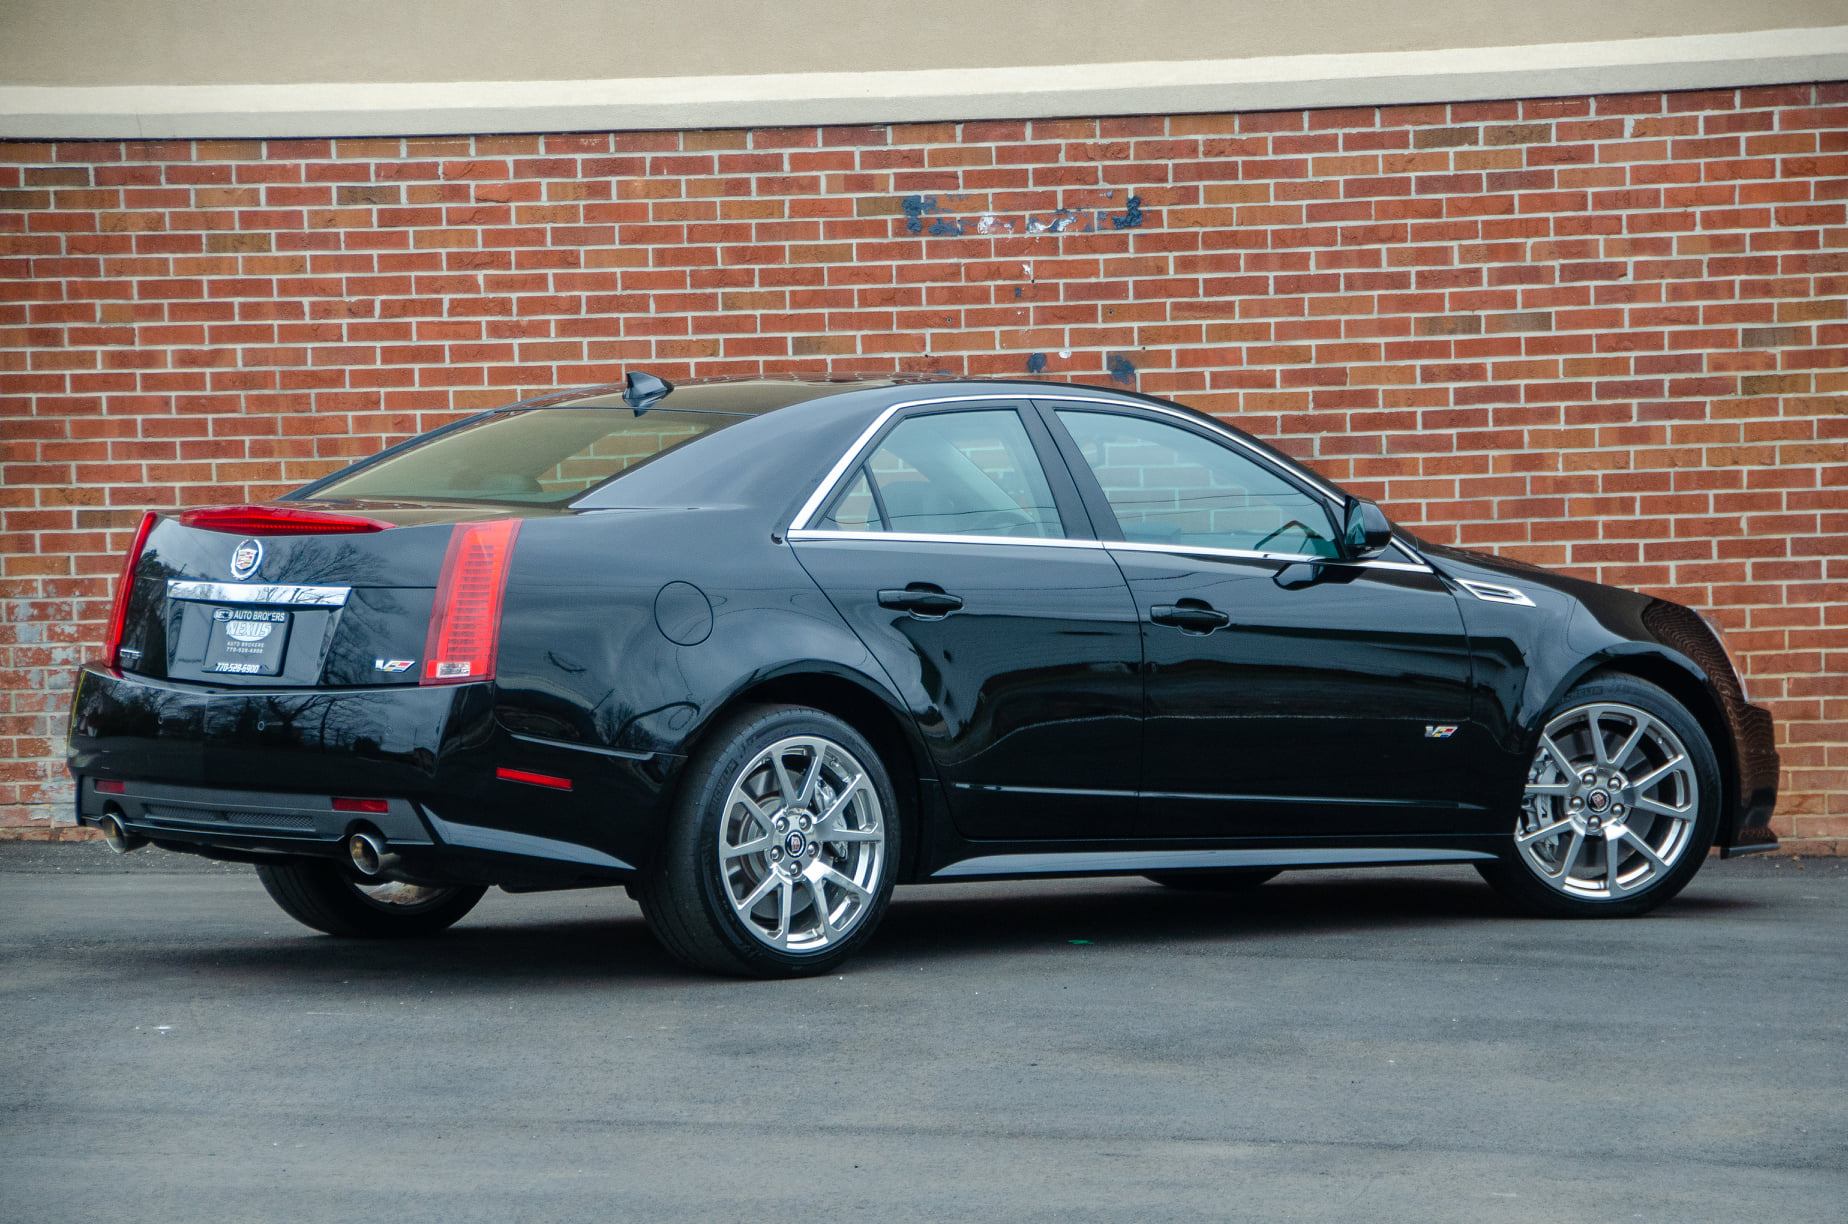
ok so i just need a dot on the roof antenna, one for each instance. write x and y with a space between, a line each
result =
643 391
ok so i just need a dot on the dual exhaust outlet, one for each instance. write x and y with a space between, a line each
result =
370 856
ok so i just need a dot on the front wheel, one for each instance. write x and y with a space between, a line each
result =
325 896
1619 806
782 850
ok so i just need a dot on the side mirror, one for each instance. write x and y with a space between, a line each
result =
1365 531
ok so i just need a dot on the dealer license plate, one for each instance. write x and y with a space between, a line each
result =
246 641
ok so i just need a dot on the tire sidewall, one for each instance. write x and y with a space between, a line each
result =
704 809
1511 871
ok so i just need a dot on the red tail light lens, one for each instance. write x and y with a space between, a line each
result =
125 586
465 623
278 520
372 806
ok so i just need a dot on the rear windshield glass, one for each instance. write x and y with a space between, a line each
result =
527 455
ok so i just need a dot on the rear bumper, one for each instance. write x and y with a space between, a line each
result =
251 774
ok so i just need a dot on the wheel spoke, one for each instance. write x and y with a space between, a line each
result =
1645 849
1570 858
1657 808
786 903
1549 788
821 871
744 905
1613 860
820 896
842 800
1630 744
1559 758
1673 765
845 834
755 846
1599 750
1544 832
786 785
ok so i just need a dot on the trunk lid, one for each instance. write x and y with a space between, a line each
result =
309 597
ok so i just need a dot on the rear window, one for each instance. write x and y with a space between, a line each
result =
527 455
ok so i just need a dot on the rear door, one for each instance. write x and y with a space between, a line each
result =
1290 694
966 563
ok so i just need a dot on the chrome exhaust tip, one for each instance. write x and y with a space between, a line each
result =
116 835
369 855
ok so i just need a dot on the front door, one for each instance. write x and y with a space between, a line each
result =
967 566
1289 693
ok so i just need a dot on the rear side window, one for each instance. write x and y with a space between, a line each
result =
535 455
1169 485
951 473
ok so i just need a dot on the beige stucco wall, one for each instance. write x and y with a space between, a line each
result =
214 42
175 68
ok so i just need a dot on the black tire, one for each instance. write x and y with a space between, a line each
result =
1220 880
1515 880
682 894
325 896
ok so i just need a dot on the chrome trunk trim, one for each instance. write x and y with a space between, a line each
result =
258 593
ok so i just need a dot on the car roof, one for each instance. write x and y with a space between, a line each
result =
755 396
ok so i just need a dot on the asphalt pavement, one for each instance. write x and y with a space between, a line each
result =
1341 1046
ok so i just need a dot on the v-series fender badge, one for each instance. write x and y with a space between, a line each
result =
1439 732
392 665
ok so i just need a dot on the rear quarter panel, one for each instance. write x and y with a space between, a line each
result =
589 674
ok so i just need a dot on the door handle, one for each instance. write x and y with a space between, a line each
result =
1190 616
921 599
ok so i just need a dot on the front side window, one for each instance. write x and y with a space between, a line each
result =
1169 485
951 473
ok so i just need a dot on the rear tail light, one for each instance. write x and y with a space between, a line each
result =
373 807
125 586
278 520
109 786
465 622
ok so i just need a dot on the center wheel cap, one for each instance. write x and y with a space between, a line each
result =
795 844
1598 800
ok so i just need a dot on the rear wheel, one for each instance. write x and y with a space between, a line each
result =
1619 808
1223 880
782 851
326 897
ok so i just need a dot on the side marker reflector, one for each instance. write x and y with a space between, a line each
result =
533 779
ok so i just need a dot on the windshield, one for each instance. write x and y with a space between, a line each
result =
536 455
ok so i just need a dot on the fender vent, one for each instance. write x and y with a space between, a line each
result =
1491 592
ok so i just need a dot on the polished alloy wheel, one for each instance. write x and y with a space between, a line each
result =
1610 803
801 844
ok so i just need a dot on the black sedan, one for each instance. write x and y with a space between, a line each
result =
760 650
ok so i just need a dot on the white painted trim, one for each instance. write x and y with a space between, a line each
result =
1698 61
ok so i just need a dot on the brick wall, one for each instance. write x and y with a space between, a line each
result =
1607 334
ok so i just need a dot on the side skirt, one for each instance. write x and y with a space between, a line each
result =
1139 862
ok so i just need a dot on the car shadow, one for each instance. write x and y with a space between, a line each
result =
924 924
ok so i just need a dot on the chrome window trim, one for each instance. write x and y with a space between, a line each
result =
258 593
925 537
821 492
809 534
799 526
1246 554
